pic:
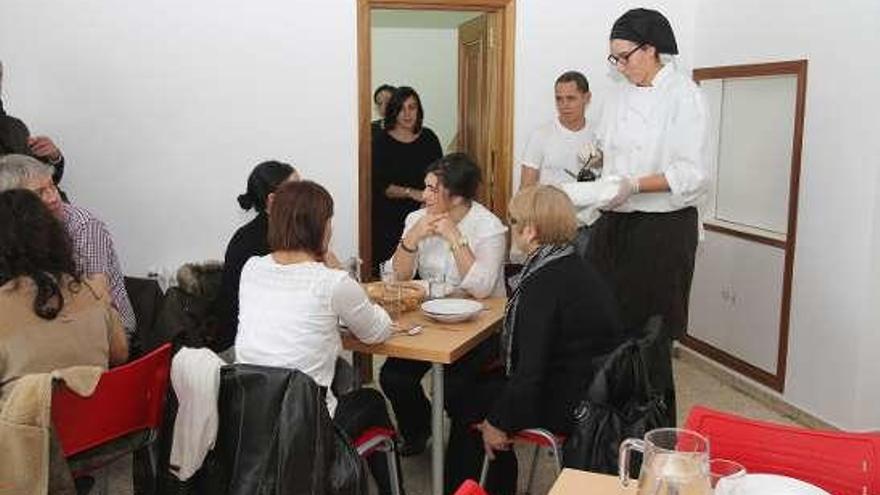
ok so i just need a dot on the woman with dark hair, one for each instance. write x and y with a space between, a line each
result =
401 155
560 315
454 238
249 240
50 316
653 132
380 98
291 303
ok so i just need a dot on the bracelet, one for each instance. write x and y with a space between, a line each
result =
407 248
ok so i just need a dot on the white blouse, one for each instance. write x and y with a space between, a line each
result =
487 238
658 129
289 316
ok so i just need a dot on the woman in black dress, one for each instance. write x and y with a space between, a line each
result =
401 154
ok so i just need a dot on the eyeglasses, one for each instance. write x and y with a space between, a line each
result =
623 59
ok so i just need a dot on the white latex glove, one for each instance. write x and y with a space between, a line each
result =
626 187
588 153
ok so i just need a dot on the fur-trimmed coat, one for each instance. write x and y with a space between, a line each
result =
187 316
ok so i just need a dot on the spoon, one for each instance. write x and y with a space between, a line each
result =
413 331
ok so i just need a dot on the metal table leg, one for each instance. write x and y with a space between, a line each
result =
437 429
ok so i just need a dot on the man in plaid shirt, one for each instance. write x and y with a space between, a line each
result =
92 244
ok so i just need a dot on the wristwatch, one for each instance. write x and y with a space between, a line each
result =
460 243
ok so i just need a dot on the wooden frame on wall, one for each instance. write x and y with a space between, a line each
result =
503 173
798 68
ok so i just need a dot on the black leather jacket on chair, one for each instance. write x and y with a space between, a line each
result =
276 437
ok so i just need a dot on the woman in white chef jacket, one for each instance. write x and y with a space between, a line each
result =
652 132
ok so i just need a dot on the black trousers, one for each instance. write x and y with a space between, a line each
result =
401 382
469 391
355 412
648 259
467 407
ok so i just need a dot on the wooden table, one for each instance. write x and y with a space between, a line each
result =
438 344
576 482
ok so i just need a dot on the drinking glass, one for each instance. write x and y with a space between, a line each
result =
392 291
727 477
353 266
437 286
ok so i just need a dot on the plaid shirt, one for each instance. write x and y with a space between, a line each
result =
94 253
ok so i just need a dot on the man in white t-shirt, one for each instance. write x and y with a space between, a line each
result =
557 150
552 152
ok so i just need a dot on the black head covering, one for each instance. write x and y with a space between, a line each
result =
646 26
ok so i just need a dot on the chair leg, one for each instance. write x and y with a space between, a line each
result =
391 457
532 469
557 454
484 471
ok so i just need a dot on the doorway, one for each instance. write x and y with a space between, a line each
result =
470 104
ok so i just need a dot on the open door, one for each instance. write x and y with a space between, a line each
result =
479 102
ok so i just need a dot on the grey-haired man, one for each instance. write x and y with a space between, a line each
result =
92 244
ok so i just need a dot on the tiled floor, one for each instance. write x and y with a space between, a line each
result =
694 386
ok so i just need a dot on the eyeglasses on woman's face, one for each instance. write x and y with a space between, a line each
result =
623 58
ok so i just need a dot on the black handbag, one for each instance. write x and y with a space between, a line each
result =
620 403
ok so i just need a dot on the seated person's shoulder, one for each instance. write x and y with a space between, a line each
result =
489 223
99 284
414 216
78 218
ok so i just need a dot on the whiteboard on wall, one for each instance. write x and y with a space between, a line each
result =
751 147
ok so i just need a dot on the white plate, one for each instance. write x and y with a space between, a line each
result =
451 306
451 310
774 484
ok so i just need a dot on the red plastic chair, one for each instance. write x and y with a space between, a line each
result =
470 487
838 462
129 399
380 439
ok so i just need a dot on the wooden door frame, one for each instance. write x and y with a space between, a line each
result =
797 68
506 10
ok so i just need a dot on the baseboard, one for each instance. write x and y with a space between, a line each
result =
769 398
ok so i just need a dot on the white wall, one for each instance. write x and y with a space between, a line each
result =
832 363
162 108
868 395
427 60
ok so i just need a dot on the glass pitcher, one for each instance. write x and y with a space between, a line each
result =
676 462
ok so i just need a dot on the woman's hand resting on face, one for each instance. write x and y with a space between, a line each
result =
446 228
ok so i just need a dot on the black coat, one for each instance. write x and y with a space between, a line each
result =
567 316
275 436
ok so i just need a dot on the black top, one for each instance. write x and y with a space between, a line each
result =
402 164
376 128
14 136
249 240
567 317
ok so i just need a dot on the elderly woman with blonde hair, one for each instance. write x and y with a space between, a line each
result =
559 315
